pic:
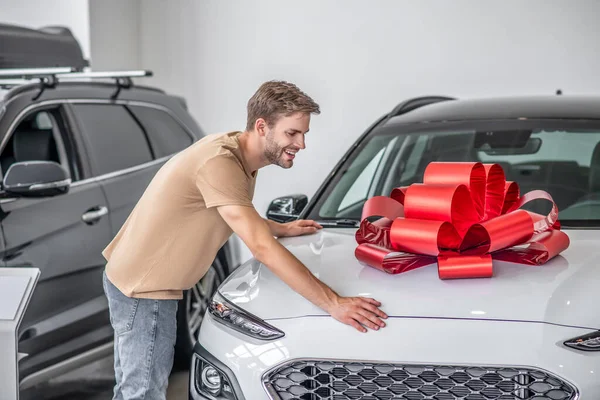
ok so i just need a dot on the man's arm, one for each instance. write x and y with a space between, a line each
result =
276 228
257 235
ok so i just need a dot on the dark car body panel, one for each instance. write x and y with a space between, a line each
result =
525 107
68 313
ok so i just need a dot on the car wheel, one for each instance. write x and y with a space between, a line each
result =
191 311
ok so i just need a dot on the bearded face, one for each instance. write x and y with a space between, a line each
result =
285 139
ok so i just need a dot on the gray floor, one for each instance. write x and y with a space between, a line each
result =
95 381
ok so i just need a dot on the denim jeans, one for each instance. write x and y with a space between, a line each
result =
144 344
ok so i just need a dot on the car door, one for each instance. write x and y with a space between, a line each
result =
63 236
128 145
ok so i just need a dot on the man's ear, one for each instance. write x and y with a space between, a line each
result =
260 126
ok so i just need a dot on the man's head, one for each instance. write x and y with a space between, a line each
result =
280 113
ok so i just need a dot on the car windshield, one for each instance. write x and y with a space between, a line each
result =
562 159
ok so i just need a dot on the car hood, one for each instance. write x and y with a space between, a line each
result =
563 291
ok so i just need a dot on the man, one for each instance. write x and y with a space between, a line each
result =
189 210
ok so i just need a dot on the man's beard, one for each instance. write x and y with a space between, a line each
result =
273 151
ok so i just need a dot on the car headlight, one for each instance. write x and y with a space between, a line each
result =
589 342
236 318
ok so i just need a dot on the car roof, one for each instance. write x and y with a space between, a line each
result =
23 96
494 108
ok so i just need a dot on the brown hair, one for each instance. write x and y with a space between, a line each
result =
274 99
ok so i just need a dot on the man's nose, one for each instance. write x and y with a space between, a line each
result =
300 142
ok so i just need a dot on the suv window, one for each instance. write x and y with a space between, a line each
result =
41 136
354 186
115 139
166 135
563 161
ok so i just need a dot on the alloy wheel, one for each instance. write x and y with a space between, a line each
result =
198 300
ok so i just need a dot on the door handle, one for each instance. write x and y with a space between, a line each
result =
93 215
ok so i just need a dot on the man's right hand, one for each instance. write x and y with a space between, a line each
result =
358 312
256 234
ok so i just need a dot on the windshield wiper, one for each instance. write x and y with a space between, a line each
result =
592 224
345 222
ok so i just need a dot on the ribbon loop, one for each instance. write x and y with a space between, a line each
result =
464 214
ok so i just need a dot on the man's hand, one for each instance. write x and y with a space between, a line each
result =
293 228
358 312
257 234
300 227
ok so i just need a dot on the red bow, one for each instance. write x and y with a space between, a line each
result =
464 214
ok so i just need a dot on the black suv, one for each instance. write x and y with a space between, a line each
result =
76 154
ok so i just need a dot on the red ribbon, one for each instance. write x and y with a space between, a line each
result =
464 215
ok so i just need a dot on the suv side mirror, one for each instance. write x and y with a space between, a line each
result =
36 179
287 208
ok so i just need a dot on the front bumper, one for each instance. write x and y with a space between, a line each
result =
249 363
202 356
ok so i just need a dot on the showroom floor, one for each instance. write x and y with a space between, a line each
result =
95 382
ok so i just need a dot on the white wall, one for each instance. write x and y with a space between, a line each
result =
38 13
114 34
360 58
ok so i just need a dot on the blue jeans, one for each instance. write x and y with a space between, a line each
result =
144 344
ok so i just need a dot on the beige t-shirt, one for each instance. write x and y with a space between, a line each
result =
173 234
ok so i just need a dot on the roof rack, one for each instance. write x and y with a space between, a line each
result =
49 77
414 103
34 72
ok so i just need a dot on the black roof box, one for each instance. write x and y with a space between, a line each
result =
52 46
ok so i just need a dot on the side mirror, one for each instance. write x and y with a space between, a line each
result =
287 208
36 179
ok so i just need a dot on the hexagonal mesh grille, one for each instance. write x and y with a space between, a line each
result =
316 380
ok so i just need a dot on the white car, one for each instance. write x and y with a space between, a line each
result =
528 332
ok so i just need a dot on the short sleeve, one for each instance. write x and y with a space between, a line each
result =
222 181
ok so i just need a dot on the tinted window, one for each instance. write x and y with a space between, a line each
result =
563 161
116 140
166 135
355 185
41 136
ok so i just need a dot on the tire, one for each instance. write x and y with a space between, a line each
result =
191 310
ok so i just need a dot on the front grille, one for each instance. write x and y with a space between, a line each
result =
336 380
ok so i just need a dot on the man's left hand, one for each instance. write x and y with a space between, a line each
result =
300 227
